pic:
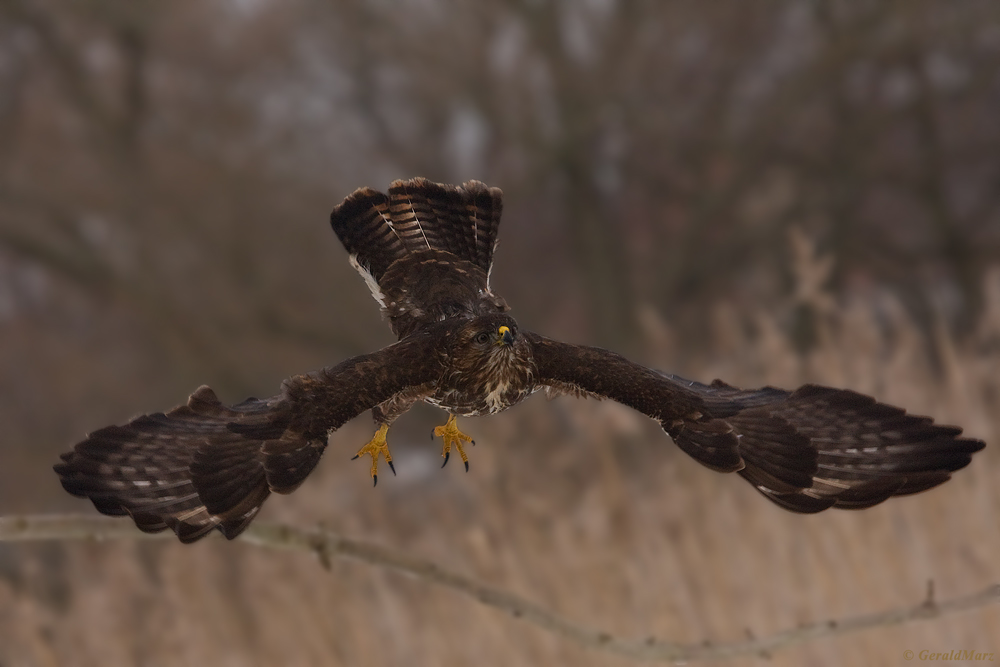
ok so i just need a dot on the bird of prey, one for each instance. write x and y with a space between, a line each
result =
426 250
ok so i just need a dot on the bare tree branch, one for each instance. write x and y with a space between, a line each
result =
327 545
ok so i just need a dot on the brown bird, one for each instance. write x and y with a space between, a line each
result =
425 251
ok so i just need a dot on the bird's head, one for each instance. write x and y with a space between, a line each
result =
489 341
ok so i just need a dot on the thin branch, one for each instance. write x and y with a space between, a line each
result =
327 545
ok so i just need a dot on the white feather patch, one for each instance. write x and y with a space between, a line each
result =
369 279
494 399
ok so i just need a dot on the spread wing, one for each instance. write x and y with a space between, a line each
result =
204 465
806 450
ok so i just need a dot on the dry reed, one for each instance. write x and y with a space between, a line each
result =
583 507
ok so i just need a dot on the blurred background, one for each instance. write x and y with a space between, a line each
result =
775 192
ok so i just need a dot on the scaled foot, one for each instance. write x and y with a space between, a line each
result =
377 445
453 437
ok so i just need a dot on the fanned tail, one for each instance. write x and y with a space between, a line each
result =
417 215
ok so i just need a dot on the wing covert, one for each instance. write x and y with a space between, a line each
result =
680 411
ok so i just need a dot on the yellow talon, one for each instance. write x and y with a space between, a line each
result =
377 445
452 436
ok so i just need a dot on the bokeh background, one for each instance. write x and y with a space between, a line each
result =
777 192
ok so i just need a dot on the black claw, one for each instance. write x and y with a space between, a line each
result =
392 468
473 442
375 480
466 466
447 455
355 456
432 435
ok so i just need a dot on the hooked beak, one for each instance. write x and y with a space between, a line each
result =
504 336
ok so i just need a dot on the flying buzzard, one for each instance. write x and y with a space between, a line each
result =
425 251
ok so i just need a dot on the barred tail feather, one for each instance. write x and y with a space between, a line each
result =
363 226
462 220
418 215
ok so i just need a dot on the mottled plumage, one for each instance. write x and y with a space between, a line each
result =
425 251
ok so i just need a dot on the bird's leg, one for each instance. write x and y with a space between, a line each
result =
377 445
450 434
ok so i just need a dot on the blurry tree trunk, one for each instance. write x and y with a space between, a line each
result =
585 88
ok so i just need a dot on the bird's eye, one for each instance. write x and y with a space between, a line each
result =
483 338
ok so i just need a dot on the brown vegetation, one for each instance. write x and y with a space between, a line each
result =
769 192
